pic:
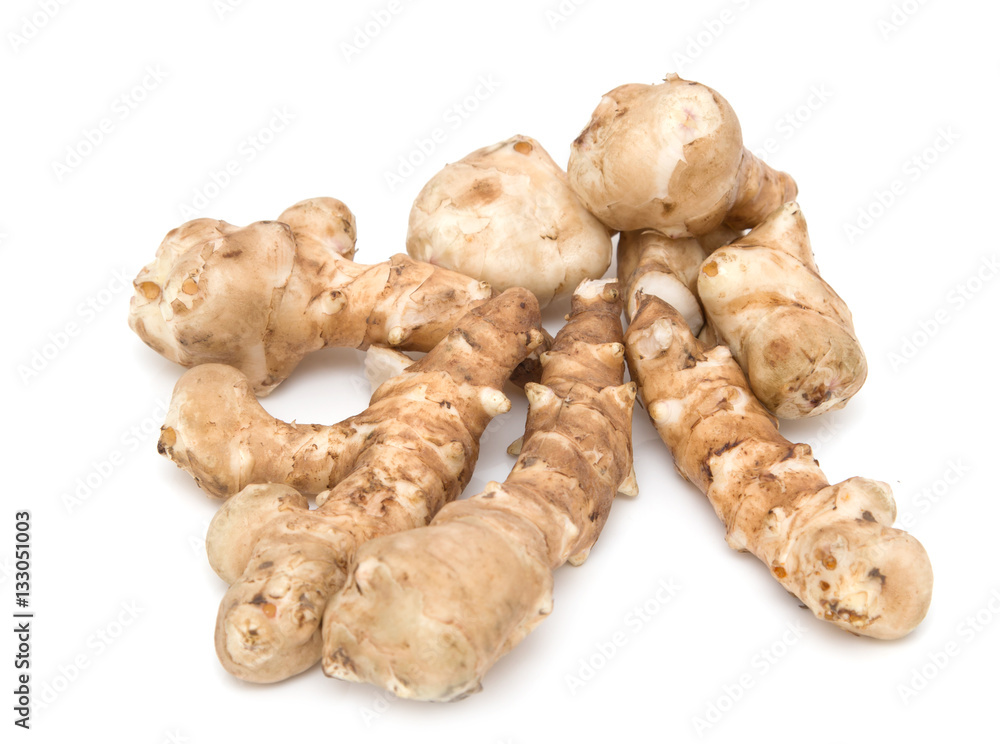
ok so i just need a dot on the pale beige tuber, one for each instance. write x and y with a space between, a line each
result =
649 263
426 613
670 157
505 214
831 546
789 330
411 452
261 297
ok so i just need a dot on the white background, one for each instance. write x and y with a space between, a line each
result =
125 601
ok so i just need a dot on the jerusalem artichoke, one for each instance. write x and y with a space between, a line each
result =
670 157
786 327
831 546
506 214
412 451
425 613
263 296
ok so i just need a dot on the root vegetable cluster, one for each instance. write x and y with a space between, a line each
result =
391 578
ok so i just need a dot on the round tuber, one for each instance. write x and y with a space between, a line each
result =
670 157
506 214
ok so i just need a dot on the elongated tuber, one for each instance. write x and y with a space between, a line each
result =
413 450
425 613
506 214
670 157
261 297
789 330
831 546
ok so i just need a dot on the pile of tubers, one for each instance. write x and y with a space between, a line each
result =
391 578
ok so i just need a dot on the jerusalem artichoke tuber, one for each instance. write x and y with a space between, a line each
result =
786 327
506 214
670 157
263 296
831 546
412 451
425 613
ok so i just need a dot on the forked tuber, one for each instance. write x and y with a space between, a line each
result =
506 214
426 613
411 452
832 546
261 297
787 328
670 157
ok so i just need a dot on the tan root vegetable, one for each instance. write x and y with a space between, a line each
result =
426 613
788 329
671 157
831 546
261 297
649 263
411 452
217 431
505 214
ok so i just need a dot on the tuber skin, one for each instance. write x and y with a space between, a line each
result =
217 431
786 327
413 451
506 214
670 157
261 297
649 263
832 546
426 613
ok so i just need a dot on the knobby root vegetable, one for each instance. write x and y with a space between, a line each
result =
506 214
426 613
649 263
671 157
831 546
788 329
261 297
217 431
410 453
